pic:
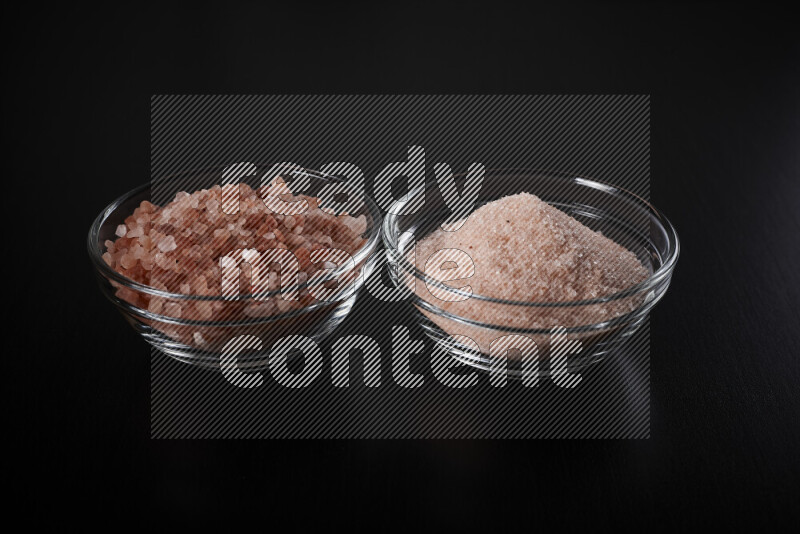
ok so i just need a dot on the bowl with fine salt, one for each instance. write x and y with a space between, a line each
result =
551 268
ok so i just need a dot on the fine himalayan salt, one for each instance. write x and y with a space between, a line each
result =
177 248
523 249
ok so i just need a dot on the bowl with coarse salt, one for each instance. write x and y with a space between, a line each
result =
543 274
224 261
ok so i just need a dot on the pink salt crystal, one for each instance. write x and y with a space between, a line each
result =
121 230
283 305
167 244
138 251
147 207
156 304
204 311
200 285
136 231
357 225
274 281
128 295
127 261
212 206
199 228
294 239
158 285
172 309
161 260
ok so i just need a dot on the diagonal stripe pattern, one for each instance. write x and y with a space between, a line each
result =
378 375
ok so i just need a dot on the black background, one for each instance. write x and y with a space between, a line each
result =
725 135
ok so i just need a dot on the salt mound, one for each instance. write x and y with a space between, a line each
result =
526 250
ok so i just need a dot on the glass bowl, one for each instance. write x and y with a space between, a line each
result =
602 325
201 342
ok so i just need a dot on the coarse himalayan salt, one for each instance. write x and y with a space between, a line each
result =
523 249
177 249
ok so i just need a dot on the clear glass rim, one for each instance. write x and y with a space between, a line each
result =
94 246
145 314
614 322
390 232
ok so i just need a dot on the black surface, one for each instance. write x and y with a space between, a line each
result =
725 137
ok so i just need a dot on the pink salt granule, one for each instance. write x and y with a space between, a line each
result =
177 248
